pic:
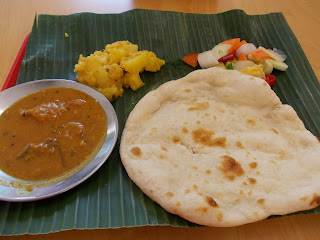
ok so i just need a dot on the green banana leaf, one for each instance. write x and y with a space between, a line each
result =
109 199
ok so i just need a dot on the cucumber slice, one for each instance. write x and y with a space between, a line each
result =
239 65
220 50
272 54
279 65
267 66
250 57
207 59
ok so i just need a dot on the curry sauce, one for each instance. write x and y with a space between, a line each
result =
50 132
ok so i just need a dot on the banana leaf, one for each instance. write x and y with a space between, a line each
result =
109 199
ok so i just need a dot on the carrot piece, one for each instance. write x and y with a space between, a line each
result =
242 57
191 59
232 42
236 47
231 50
260 54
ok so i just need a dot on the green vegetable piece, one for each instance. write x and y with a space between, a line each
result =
229 66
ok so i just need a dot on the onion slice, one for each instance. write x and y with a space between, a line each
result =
245 49
207 59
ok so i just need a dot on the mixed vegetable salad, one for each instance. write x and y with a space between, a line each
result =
242 56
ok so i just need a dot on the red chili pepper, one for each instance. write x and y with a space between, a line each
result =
226 58
270 79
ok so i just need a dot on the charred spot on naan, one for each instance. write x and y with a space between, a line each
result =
304 198
136 151
187 191
164 149
202 209
169 194
273 130
253 165
251 122
185 130
239 145
209 200
315 200
252 180
176 139
194 167
199 106
230 167
204 137
261 201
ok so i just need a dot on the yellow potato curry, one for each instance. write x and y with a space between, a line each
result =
50 132
118 65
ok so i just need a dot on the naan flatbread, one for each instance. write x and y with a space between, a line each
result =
218 148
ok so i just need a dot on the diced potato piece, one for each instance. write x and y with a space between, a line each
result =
115 72
140 61
133 80
134 62
118 50
115 56
111 92
154 64
101 57
125 46
90 70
